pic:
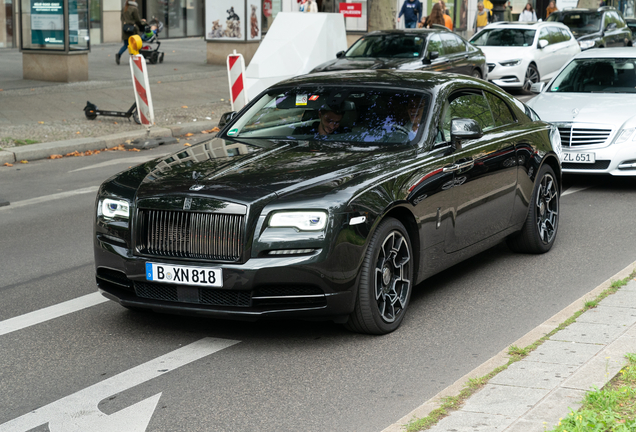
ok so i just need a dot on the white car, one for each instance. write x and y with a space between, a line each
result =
592 101
520 54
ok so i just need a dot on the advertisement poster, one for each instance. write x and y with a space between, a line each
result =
225 20
47 22
254 27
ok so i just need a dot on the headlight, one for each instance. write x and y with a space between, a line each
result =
555 139
302 220
625 135
586 44
510 62
111 208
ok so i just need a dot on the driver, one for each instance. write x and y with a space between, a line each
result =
329 121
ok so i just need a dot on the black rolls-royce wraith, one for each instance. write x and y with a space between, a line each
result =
331 196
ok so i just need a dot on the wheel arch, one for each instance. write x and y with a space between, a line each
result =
553 162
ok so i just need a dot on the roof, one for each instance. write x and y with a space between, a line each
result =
626 52
524 25
417 31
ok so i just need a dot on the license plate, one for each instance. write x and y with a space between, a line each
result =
579 157
184 275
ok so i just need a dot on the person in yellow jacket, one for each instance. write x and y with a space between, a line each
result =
482 18
488 5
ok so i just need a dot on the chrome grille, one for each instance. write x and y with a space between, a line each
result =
571 137
180 234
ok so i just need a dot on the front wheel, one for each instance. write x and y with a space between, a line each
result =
540 229
532 76
385 284
476 74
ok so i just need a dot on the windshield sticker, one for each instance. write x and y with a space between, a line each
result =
301 99
232 132
314 97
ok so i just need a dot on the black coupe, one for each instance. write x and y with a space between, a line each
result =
331 196
436 49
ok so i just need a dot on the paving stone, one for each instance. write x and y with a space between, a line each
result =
604 314
590 333
555 406
534 374
461 421
564 352
504 400
625 297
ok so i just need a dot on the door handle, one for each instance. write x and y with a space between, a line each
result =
465 165
451 168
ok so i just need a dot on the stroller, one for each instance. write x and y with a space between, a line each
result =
149 38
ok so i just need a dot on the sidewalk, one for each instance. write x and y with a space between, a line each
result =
188 96
532 394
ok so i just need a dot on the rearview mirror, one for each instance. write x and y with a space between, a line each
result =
463 128
537 88
226 118
610 26
340 54
543 43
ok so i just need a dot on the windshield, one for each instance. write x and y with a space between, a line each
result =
504 37
602 75
335 115
581 23
390 45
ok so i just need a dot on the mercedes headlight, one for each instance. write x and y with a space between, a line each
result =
586 44
515 62
625 135
112 208
301 220
555 139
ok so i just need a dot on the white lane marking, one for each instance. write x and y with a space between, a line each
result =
79 413
575 189
38 200
51 312
131 160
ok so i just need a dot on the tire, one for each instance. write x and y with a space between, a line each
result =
540 229
386 281
154 58
476 74
532 76
90 114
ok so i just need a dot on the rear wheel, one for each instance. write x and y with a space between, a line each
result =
532 76
540 229
385 281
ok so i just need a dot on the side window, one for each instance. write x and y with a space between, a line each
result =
452 44
435 44
554 35
468 105
500 111
618 20
543 34
607 19
566 35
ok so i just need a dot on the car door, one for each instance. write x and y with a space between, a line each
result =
456 54
439 64
611 33
485 169
546 58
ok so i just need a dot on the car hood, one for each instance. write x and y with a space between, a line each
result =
559 107
363 63
264 173
497 54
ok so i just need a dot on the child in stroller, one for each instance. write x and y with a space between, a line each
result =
149 38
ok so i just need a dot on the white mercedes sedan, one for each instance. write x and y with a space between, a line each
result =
592 101
520 54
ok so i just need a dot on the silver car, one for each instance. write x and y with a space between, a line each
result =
592 101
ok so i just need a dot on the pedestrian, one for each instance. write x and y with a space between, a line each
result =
527 14
130 25
436 16
551 8
448 21
481 18
507 15
488 5
313 6
412 11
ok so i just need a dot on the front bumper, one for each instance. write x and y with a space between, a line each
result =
279 287
507 76
615 159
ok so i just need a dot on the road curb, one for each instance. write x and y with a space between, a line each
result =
44 150
502 357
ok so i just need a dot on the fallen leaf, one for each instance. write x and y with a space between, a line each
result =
158 82
56 156
188 145
134 149
24 161
184 106
32 89
174 51
77 132
115 122
8 164
175 68
41 122
214 129
189 134
1 90
222 100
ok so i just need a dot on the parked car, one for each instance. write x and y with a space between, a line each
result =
330 196
593 103
631 24
436 49
604 27
520 54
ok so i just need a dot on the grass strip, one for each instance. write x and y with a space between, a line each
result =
452 403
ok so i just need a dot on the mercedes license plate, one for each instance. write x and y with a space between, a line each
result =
579 157
184 275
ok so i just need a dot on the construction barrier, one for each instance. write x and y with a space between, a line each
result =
141 85
235 74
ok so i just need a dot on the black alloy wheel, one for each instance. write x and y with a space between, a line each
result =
385 281
532 76
540 229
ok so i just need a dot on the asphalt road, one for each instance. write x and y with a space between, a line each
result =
76 373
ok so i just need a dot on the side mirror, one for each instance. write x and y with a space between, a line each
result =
463 128
340 54
543 43
610 26
226 118
537 88
432 55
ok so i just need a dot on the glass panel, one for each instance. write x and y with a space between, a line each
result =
95 14
78 21
435 44
353 23
471 106
176 18
194 17
504 37
157 11
500 110
43 24
6 30
389 45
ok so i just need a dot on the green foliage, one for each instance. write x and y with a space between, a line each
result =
17 142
